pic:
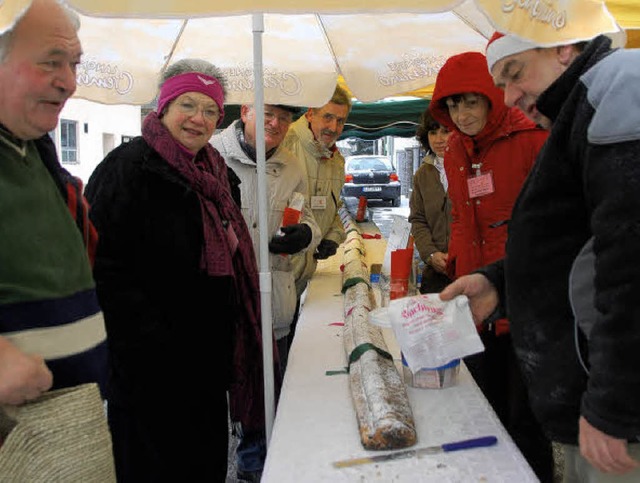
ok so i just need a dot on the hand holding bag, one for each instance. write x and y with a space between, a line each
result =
61 436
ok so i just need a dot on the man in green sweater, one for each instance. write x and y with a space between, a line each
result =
51 328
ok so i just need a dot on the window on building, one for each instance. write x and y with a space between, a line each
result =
108 143
69 141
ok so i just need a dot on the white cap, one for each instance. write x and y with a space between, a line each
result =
501 46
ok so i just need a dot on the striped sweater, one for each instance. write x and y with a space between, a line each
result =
48 304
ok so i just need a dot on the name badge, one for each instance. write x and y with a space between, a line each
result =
480 185
318 202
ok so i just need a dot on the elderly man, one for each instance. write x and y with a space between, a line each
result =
312 138
286 180
569 282
52 327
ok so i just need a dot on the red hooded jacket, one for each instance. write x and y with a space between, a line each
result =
507 146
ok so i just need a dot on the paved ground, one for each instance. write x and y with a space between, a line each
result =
382 211
231 469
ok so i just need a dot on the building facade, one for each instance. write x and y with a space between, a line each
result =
88 131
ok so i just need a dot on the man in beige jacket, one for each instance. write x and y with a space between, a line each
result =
312 138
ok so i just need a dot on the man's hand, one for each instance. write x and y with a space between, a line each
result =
325 249
483 296
22 376
295 238
604 452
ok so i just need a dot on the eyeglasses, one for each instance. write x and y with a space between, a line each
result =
191 109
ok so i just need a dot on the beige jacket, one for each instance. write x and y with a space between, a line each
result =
285 175
325 172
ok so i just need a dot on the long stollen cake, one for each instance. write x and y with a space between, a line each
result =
384 415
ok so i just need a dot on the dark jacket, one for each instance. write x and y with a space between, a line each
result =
585 183
169 325
72 191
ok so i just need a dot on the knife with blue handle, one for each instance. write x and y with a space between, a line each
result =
441 448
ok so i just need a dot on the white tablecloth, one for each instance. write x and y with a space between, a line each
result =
315 422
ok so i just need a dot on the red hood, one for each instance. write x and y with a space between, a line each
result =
464 73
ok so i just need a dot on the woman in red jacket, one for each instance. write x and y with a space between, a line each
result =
489 154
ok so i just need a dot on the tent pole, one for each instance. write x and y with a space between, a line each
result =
263 227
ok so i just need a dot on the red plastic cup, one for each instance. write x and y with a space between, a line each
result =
401 263
290 216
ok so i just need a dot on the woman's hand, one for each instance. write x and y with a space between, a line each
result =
438 261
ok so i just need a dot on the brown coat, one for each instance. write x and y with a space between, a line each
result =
430 218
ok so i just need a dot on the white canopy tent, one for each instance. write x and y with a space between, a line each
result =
411 56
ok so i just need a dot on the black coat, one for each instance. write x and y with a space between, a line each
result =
585 183
169 325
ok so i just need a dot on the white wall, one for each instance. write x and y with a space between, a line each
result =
105 126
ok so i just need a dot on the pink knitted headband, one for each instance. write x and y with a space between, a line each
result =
192 82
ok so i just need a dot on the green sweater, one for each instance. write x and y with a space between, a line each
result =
42 254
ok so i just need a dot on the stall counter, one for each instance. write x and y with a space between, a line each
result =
315 423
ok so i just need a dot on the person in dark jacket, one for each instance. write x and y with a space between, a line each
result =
177 279
570 280
429 205
488 156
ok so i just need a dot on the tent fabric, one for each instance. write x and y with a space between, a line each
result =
371 120
386 118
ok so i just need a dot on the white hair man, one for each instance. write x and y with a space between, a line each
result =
52 328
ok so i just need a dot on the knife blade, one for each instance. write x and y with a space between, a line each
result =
440 448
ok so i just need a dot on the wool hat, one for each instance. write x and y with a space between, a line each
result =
501 46
191 82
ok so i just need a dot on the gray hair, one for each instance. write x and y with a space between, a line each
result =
7 37
340 97
194 65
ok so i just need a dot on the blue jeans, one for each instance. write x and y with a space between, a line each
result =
251 452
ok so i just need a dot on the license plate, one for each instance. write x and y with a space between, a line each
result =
368 189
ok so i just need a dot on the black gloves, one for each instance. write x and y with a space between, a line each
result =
325 249
295 238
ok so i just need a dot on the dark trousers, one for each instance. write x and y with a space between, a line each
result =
432 281
497 373
172 437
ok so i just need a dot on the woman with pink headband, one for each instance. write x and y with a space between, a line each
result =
177 280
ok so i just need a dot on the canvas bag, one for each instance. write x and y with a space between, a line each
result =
62 436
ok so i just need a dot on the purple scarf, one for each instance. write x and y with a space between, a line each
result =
227 251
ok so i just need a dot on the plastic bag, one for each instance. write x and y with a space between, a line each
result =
430 332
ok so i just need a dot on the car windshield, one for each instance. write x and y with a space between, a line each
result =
369 164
